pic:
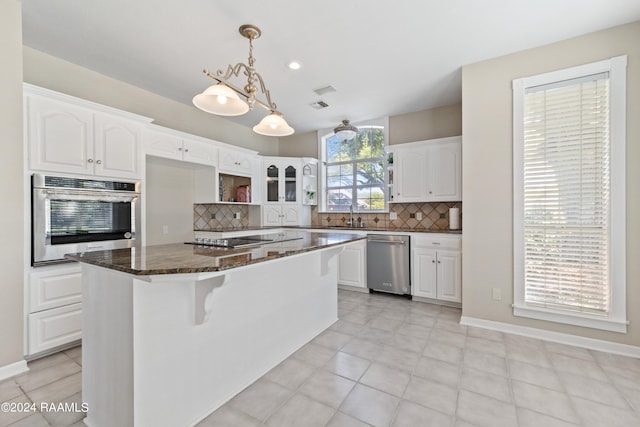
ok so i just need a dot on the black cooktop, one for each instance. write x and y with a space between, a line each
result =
243 241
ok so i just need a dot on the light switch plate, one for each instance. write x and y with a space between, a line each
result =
393 215
419 216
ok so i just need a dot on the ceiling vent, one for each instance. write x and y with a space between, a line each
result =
327 89
319 105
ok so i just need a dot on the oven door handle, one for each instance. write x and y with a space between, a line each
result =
51 194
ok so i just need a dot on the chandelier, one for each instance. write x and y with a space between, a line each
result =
346 131
222 98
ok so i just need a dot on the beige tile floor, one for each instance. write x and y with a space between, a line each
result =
392 362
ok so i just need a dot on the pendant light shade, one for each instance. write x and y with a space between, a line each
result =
346 131
273 125
221 100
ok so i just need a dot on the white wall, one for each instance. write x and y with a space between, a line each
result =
169 201
487 174
434 123
11 190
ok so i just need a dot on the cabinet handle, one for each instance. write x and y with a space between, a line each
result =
89 160
99 162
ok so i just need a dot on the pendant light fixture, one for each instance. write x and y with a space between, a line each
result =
346 131
224 99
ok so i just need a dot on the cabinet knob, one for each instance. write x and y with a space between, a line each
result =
438 262
180 149
99 162
89 160
429 192
398 194
186 150
433 261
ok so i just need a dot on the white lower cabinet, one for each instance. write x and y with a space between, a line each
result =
352 265
54 315
277 215
437 269
53 328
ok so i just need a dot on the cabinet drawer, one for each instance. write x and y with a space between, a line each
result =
55 287
436 242
52 328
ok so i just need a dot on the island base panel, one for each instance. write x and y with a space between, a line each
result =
158 366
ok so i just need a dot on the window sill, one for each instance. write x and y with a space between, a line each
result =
575 319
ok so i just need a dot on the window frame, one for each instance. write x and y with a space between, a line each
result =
616 319
323 135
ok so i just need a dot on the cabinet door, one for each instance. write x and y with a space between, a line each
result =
424 273
163 145
60 136
244 164
117 147
199 152
410 167
54 287
351 264
227 161
445 175
272 190
290 178
55 327
271 216
290 215
449 267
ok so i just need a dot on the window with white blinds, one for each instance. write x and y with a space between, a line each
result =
563 198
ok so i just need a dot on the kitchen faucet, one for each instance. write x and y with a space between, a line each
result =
350 222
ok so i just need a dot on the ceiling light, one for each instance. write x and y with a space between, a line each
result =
346 131
294 65
273 125
222 98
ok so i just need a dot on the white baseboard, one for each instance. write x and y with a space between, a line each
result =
13 369
557 337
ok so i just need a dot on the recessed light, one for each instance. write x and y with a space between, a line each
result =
294 65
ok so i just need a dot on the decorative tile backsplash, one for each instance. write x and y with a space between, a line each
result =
435 216
212 216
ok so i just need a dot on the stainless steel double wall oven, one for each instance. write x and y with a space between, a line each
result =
79 214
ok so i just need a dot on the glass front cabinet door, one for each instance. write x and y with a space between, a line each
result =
282 180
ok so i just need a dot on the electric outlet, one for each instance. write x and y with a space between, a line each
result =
236 215
496 294
165 229
393 215
412 215
419 216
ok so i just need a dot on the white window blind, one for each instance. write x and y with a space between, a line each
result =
567 195
569 211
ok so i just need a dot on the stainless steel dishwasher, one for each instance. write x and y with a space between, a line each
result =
388 263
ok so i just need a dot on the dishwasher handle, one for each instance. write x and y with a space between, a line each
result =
388 242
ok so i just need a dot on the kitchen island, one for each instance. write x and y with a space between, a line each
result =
172 332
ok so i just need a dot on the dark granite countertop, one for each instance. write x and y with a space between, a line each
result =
341 228
179 258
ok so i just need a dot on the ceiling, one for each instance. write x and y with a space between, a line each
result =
382 57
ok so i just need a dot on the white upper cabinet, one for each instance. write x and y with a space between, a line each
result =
410 174
282 179
428 171
170 144
117 147
236 162
445 170
69 135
